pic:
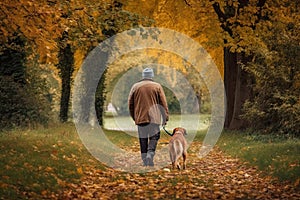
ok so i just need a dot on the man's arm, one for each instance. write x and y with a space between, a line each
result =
131 103
163 102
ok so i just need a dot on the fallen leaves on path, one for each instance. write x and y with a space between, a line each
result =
215 176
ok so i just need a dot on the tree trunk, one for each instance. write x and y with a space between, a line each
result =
100 98
236 80
237 89
230 76
66 70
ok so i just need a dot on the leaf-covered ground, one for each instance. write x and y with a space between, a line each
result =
216 176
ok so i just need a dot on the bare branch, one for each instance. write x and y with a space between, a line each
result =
187 3
221 15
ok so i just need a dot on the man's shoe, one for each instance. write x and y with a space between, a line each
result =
149 159
150 162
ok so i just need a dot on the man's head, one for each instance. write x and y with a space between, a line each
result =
148 73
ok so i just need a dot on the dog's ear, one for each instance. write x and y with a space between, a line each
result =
184 132
174 130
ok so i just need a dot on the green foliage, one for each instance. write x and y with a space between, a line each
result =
12 61
173 103
22 91
119 87
120 101
276 104
265 36
205 107
200 89
105 20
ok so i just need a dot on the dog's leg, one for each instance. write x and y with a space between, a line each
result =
177 164
172 155
173 165
177 159
179 152
184 155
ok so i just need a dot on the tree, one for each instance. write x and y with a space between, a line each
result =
56 30
39 24
23 100
103 23
275 107
66 67
238 19
193 18
37 21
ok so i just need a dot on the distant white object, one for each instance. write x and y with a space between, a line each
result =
111 109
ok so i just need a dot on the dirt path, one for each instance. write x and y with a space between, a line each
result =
216 176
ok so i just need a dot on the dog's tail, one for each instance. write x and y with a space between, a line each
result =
176 150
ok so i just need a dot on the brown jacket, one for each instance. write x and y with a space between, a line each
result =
147 103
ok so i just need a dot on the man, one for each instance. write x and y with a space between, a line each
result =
148 108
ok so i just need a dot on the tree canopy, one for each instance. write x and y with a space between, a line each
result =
255 45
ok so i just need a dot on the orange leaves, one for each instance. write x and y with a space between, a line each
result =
214 177
79 170
30 172
37 21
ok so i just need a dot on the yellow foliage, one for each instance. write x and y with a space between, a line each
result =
198 21
37 21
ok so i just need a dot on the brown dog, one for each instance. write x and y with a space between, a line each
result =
178 147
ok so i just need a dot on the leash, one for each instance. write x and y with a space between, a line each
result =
170 134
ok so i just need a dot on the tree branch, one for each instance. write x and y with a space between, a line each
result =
187 3
221 15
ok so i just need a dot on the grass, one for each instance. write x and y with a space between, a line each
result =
40 163
275 155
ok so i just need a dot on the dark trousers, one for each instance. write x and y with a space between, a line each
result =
149 135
